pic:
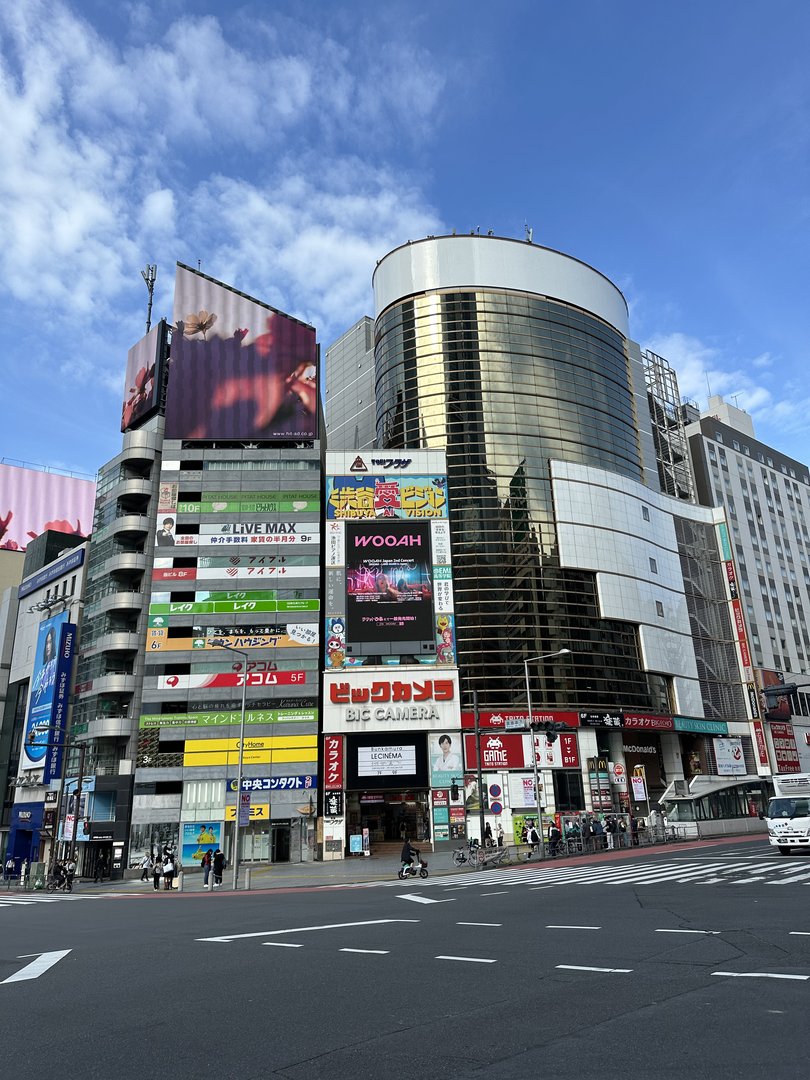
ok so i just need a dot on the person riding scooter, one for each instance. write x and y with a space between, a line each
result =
408 854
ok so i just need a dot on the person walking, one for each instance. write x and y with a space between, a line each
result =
488 835
585 833
8 871
157 870
219 865
598 834
499 834
554 838
168 873
146 866
634 830
101 868
206 867
24 874
610 832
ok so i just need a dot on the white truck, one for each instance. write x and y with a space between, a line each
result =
788 813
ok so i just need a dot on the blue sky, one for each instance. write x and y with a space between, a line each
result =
288 146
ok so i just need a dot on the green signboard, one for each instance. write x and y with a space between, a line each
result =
700 726
253 502
227 717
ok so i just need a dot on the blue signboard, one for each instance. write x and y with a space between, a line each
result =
50 573
275 783
42 693
61 701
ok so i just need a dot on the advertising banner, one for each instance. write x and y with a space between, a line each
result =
333 771
197 839
290 635
786 753
275 783
290 573
212 603
368 497
446 766
761 744
368 701
389 760
639 787
144 377
252 502
61 701
498 752
258 750
646 722
232 678
33 502
239 369
775 709
388 582
563 753
258 532
43 691
228 717
511 719
728 753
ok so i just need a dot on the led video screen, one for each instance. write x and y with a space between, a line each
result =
238 369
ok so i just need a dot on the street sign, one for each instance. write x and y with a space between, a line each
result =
516 723
244 808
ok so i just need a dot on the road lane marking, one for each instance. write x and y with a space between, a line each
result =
37 967
538 888
687 931
562 926
424 899
759 975
376 952
800 933
576 967
305 929
283 944
502 892
479 924
467 959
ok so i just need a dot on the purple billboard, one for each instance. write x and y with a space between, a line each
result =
144 377
33 502
238 368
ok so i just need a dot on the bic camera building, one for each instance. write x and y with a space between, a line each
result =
204 571
568 530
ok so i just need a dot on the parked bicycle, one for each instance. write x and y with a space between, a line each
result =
472 855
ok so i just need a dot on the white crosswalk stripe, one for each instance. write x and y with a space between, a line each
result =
11 900
687 871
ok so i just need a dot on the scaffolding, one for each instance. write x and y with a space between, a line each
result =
669 434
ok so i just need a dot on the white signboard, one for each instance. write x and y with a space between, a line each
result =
386 760
639 788
728 754
404 698
521 790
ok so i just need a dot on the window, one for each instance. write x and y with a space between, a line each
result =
653 566
645 513
659 607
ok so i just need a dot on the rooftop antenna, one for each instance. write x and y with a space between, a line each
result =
149 275
529 232
199 265
736 397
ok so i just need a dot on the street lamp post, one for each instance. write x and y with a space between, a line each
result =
244 655
526 662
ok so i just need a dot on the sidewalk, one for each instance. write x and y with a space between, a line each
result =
358 870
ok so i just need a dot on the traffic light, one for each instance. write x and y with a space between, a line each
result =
549 728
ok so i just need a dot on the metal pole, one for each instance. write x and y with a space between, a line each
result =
79 785
533 735
478 759
239 777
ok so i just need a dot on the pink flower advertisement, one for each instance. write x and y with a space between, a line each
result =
33 502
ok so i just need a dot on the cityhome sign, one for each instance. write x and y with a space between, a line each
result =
364 702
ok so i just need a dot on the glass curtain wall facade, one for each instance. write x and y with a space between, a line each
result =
504 381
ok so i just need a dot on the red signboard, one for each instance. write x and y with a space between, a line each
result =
384 690
188 573
499 719
497 752
333 762
785 750
739 620
744 653
648 723
762 746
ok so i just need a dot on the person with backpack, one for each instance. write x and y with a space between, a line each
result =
554 838
533 838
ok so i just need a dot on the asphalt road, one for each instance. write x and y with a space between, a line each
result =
513 976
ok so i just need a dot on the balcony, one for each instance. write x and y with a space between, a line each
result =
107 727
125 600
114 682
126 561
130 525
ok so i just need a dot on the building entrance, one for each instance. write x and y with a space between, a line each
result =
389 816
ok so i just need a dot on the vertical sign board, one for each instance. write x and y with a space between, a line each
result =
52 669
61 701
244 808
333 763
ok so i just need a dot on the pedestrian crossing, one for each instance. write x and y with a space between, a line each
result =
686 871
32 899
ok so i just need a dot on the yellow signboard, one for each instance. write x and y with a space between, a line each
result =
258 812
258 750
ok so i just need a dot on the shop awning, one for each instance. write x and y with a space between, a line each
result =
701 786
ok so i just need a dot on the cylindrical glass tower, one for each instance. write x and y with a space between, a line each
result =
507 356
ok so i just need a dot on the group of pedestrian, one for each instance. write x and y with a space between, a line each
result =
64 871
491 840
165 865
213 862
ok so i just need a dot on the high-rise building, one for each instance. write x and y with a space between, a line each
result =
350 395
204 582
766 498
566 533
